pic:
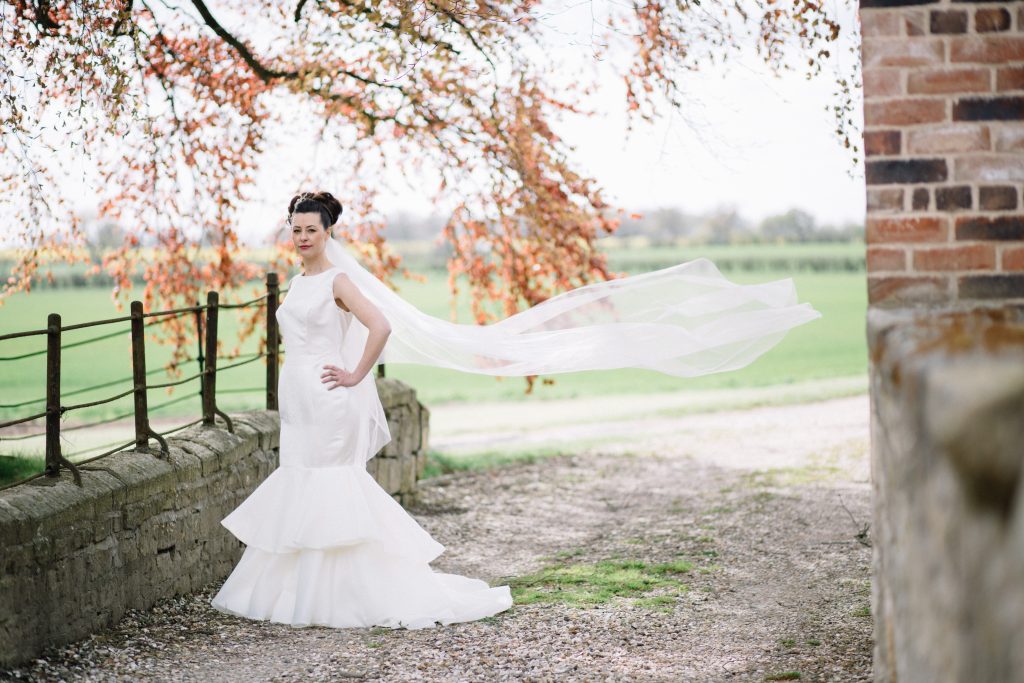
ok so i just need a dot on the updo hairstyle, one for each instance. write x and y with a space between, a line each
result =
322 203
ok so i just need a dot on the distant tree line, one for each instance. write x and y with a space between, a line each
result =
659 227
663 227
725 225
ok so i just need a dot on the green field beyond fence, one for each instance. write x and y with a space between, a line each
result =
841 257
635 255
833 346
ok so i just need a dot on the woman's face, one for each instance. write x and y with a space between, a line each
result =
308 234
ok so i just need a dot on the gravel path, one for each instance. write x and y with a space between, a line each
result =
769 505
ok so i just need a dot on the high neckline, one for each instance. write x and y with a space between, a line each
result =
316 274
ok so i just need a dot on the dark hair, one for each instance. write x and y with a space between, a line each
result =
322 203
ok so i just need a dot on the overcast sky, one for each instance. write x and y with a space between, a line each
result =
747 138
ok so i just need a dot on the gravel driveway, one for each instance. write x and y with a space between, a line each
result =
765 511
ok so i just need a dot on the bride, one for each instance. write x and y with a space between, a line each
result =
325 544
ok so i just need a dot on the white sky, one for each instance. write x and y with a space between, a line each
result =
747 138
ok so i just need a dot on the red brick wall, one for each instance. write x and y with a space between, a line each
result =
944 150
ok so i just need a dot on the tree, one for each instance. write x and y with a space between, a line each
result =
173 102
796 225
725 225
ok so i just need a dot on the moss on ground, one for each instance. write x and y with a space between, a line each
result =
585 584
441 463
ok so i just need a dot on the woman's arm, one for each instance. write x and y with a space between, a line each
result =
380 329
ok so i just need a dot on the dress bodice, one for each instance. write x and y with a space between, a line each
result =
326 426
312 324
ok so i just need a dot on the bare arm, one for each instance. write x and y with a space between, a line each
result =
369 315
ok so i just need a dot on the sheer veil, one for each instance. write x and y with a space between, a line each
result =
685 320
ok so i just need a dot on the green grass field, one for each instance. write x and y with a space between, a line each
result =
786 258
833 346
635 254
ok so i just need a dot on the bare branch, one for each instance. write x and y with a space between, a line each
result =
265 73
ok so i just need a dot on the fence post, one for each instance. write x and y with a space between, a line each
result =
53 395
200 359
139 376
272 340
142 429
54 459
210 368
210 362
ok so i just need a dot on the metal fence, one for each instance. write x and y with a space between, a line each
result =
206 327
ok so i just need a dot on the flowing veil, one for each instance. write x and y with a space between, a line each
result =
685 320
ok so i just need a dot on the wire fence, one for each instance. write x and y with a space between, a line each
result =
53 407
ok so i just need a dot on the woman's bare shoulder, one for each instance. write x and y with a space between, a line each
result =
340 284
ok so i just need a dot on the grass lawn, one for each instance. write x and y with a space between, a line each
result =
833 346
631 255
740 257
103 361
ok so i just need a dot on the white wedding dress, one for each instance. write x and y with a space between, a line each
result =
325 543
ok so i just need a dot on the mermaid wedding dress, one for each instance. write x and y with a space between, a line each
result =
326 544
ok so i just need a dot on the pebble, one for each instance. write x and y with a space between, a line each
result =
772 562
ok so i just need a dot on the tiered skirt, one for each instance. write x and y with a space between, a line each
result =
328 546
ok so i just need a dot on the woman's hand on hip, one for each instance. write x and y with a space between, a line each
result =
339 377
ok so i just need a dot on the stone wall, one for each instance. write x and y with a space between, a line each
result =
947 466
73 560
401 461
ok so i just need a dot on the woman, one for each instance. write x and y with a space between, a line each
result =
325 543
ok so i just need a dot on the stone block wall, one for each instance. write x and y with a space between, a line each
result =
944 150
400 463
947 430
74 559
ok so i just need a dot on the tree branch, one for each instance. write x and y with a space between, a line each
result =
42 16
265 73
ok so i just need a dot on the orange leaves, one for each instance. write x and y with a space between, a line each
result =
175 109
537 238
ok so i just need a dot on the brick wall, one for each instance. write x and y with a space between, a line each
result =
944 150
944 146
